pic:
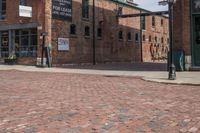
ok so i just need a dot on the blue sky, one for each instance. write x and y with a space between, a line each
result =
151 5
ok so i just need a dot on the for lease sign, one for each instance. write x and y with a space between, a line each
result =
62 9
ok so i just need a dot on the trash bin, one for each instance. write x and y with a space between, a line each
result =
179 60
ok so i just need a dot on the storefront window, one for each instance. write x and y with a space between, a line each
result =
26 43
4 44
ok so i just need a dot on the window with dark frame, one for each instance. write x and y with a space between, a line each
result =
23 2
153 21
99 32
2 9
156 39
87 31
162 22
143 22
144 38
129 36
162 40
120 35
73 29
150 38
4 38
85 8
136 37
120 10
26 43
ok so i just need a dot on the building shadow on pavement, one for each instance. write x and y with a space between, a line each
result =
120 66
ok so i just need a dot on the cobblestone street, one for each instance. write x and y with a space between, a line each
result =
41 102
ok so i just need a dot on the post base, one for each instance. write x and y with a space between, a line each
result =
172 72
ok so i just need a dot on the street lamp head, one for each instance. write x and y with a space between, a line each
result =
172 1
166 2
163 2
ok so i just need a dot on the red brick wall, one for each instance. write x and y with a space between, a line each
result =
155 50
181 39
109 47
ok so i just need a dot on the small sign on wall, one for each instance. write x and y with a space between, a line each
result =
25 11
63 44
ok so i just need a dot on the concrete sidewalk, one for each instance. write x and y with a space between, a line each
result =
187 78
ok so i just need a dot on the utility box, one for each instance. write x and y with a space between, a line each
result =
178 59
39 62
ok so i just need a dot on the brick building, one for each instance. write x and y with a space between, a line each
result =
187 31
69 27
155 38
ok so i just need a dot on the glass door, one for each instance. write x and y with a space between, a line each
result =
196 40
4 44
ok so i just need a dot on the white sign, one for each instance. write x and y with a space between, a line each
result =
25 11
63 44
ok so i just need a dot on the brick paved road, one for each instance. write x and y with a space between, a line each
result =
72 103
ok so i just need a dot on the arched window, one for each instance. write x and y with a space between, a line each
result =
162 40
153 21
73 29
87 31
162 22
120 35
156 39
150 38
99 32
129 36
144 38
136 37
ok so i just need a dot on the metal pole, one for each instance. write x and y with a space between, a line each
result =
43 43
141 46
172 69
93 41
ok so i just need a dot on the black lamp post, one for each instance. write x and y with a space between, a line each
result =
172 68
43 34
94 34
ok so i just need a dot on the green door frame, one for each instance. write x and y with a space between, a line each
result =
192 26
194 47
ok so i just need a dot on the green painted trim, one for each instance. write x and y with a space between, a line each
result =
133 7
129 5
191 33
192 16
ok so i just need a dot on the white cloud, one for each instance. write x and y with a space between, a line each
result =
151 5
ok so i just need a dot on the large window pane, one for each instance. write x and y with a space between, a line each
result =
4 44
196 5
85 8
2 9
26 43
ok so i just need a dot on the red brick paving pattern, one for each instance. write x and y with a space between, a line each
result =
73 103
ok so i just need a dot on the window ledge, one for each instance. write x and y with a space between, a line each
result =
99 38
85 19
3 20
87 37
73 36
